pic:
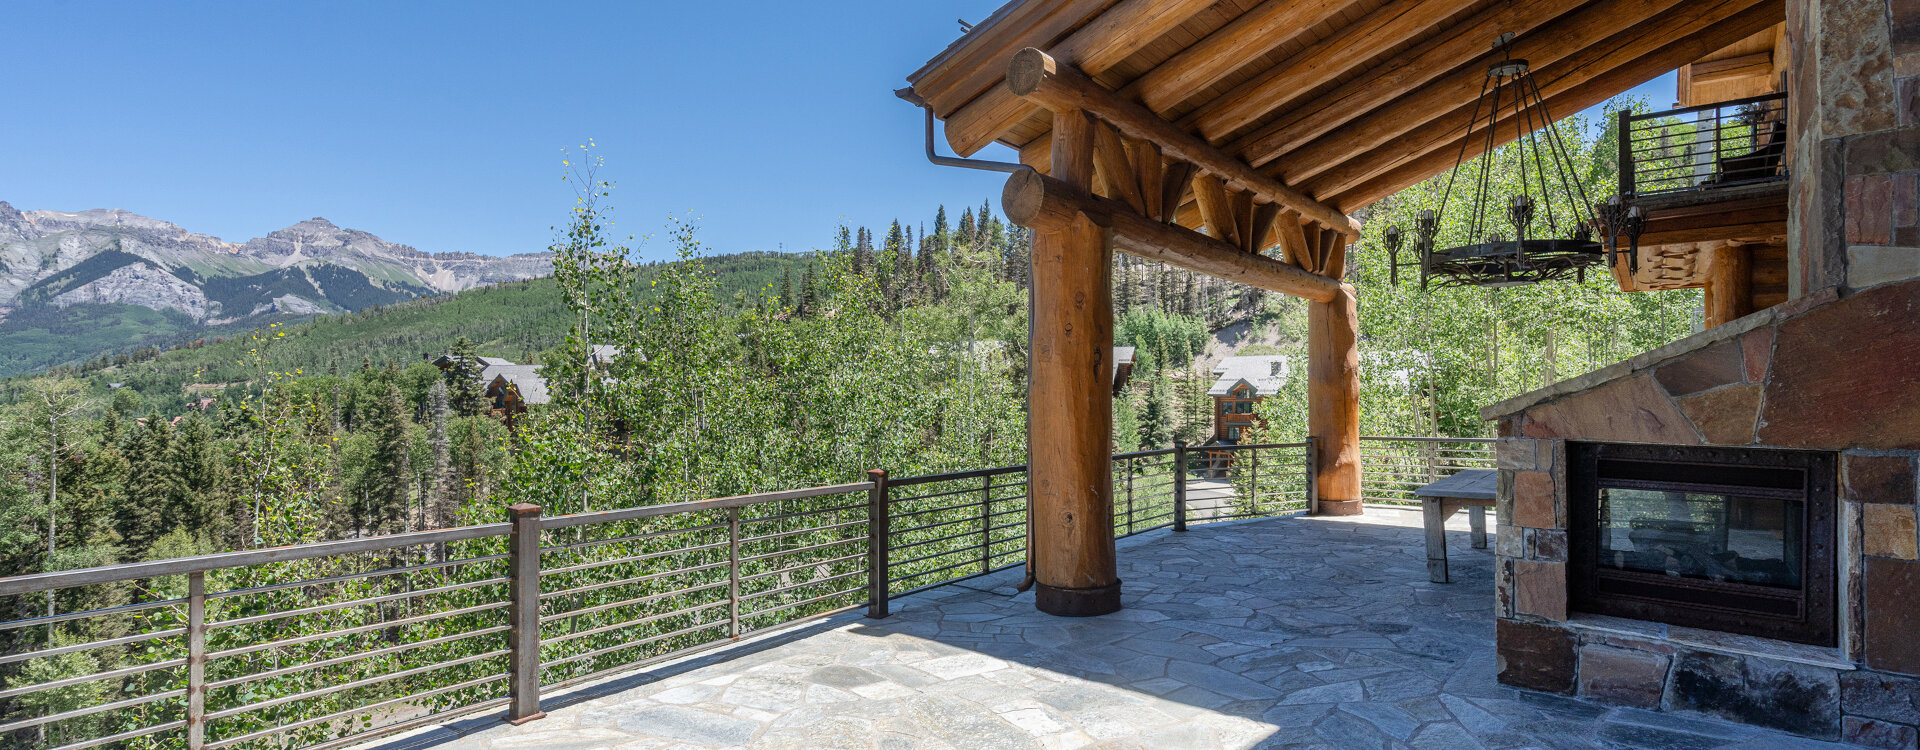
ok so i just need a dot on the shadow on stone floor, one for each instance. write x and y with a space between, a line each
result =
1305 632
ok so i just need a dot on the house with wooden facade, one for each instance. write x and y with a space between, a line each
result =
1239 385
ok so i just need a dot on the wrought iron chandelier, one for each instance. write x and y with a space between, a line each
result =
1552 232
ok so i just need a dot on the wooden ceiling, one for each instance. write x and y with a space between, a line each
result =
1347 100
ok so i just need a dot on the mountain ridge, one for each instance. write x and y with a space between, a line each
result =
84 271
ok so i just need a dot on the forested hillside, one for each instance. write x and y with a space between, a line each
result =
515 320
904 350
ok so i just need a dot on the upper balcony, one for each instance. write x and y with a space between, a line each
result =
1706 183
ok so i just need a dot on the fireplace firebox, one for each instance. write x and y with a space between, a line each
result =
1728 539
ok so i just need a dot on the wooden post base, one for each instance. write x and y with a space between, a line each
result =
1100 600
1339 508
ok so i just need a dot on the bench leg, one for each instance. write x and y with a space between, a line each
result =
1477 518
1434 515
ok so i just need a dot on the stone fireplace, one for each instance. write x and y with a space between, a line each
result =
1644 506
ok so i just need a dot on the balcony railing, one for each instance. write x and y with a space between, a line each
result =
335 643
1391 468
1712 146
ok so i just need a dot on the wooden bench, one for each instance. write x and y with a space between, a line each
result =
1472 489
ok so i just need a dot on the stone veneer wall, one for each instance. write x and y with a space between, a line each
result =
1825 372
1854 123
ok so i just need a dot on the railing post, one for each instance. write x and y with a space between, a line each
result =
1179 485
1130 466
877 535
1313 477
523 562
733 572
196 660
1626 154
1253 483
986 523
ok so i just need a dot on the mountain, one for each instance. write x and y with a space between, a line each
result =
77 285
516 320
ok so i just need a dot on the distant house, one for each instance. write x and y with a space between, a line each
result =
1239 384
1122 367
515 387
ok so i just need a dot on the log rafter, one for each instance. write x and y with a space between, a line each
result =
1104 42
1039 77
1414 109
1281 87
1597 74
1395 77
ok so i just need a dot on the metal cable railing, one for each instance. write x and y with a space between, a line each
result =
330 644
1392 467
1719 145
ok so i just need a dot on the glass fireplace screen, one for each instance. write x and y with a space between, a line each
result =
1708 536
1732 539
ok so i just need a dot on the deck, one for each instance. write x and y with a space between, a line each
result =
1283 632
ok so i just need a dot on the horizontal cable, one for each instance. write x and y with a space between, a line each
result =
375 680
28 584
596 630
630 644
804 566
124 736
348 658
121 641
719 503
352 576
359 629
91 710
631 581
367 709
798 550
631 537
634 558
570 614
336 606
95 677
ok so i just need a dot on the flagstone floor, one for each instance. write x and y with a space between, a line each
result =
1272 633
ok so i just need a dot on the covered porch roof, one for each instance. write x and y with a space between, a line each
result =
1347 101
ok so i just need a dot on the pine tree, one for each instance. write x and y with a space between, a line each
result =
145 513
439 501
863 253
942 232
385 490
198 504
968 236
467 395
786 287
809 293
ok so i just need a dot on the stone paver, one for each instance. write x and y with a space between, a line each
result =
1275 633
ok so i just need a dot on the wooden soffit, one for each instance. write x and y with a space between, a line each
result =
1345 101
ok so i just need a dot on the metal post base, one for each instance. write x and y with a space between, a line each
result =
1100 600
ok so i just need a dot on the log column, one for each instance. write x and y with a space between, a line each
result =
1333 400
1070 403
1729 294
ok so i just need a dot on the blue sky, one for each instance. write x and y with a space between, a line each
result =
443 125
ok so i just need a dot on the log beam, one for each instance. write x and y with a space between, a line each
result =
1102 43
1418 66
1069 428
1045 204
1580 81
1040 78
1333 400
1412 110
